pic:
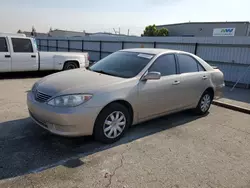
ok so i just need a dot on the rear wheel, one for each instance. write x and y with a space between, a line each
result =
112 123
204 103
70 65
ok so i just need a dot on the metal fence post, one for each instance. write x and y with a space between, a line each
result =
195 48
47 44
56 45
154 44
68 45
122 44
82 45
100 50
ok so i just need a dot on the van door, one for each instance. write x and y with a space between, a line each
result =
24 56
5 58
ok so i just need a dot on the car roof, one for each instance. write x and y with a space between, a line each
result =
154 51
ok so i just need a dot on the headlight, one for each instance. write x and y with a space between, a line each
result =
69 100
34 87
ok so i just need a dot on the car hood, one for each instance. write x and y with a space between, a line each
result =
75 81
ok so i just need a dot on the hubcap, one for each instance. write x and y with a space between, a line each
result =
205 103
114 124
71 67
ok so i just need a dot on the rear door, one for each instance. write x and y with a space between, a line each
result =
5 58
24 56
160 96
194 79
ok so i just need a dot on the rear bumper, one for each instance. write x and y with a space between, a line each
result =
219 91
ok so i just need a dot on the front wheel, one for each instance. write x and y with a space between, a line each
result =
204 103
112 123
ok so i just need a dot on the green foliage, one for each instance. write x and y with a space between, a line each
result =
163 32
151 30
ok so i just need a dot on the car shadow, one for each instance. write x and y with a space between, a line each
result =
27 148
23 75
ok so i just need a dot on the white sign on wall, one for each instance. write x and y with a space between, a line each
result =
224 31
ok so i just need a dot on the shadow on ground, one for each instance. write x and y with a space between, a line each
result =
23 75
26 148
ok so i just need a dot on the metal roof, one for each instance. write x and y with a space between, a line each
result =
185 23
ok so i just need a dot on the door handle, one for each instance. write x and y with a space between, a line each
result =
176 82
7 56
204 77
33 56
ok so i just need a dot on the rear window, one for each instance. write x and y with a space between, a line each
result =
22 45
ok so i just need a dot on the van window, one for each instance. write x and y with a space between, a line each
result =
22 45
3 45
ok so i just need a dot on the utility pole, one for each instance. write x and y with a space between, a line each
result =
115 31
128 32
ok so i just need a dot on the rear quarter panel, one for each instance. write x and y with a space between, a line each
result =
46 61
60 60
217 80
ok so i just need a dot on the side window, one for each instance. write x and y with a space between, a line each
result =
165 65
3 45
200 68
187 64
22 45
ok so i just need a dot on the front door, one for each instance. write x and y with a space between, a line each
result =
5 58
24 57
159 96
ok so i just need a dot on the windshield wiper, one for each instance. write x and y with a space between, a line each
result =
103 72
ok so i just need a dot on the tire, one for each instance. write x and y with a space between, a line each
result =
119 125
204 103
70 65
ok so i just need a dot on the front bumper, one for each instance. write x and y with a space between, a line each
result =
77 121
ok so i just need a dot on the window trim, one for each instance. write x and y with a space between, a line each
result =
7 47
162 55
22 39
197 62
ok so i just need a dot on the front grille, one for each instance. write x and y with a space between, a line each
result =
41 97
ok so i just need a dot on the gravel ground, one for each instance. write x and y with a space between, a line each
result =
176 151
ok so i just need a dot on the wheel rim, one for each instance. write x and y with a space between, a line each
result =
205 102
114 124
71 66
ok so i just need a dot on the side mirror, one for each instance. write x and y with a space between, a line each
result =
152 76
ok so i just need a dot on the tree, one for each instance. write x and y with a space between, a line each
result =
151 31
162 32
19 31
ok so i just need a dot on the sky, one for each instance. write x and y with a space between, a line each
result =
104 15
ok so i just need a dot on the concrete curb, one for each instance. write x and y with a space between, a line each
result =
231 107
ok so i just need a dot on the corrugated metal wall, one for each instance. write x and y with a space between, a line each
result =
230 54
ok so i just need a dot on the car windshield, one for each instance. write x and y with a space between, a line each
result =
122 64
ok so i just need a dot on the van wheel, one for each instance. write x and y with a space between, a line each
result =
112 123
70 65
204 103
